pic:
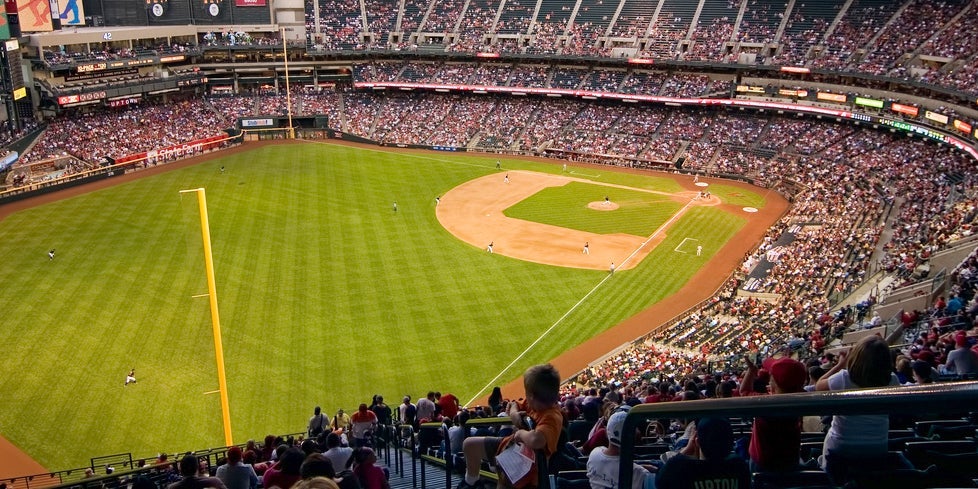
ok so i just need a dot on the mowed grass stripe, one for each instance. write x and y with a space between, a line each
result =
638 213
326 298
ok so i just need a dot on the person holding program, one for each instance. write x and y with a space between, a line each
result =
542 385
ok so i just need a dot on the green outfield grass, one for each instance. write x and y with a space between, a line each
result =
638 214
327 296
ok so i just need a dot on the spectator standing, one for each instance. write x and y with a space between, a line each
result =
449 405
426 408
363 423
775 440
317 423
383 411
407 411
341 421
496 400
860 437
384 417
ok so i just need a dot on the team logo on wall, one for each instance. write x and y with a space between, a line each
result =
213 7
157 7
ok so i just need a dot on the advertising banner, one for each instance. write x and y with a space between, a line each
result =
905 109
34 15
4 26
71 12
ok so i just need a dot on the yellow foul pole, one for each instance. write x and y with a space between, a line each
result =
288 89
205 232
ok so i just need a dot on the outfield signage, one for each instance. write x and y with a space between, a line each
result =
905 109
869 102
749 89
934 116
793 93
831 97
168 153
258 123
126 63
94 76
67 100
8 160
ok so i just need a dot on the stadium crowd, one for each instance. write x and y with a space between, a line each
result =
870 36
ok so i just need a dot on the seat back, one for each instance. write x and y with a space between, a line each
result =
784 480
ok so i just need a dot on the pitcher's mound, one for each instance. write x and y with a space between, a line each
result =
602 205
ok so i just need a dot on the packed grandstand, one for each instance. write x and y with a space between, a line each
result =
876 191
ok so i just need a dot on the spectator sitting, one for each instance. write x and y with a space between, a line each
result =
317 465
237 475
339 455
286 472
189 467
962 360
603 463
923 373
316 483
367 472
705 460
542 385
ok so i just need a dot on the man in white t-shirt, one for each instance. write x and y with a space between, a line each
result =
603 463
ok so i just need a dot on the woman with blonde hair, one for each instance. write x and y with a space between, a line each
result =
862 437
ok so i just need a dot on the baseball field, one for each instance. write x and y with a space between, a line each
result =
329 293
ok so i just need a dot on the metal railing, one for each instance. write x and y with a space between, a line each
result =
919 400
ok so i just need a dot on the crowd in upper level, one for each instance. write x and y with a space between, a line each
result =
871 36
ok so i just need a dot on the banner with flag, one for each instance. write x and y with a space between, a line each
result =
4 26
34 15
71 12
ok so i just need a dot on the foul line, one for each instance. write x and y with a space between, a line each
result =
575 306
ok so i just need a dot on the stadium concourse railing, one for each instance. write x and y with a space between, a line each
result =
123 165
118 470
942 400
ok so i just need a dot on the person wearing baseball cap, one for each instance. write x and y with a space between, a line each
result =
962 360
775 440
603 463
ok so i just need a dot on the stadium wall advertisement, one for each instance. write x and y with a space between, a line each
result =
8 160
174 152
